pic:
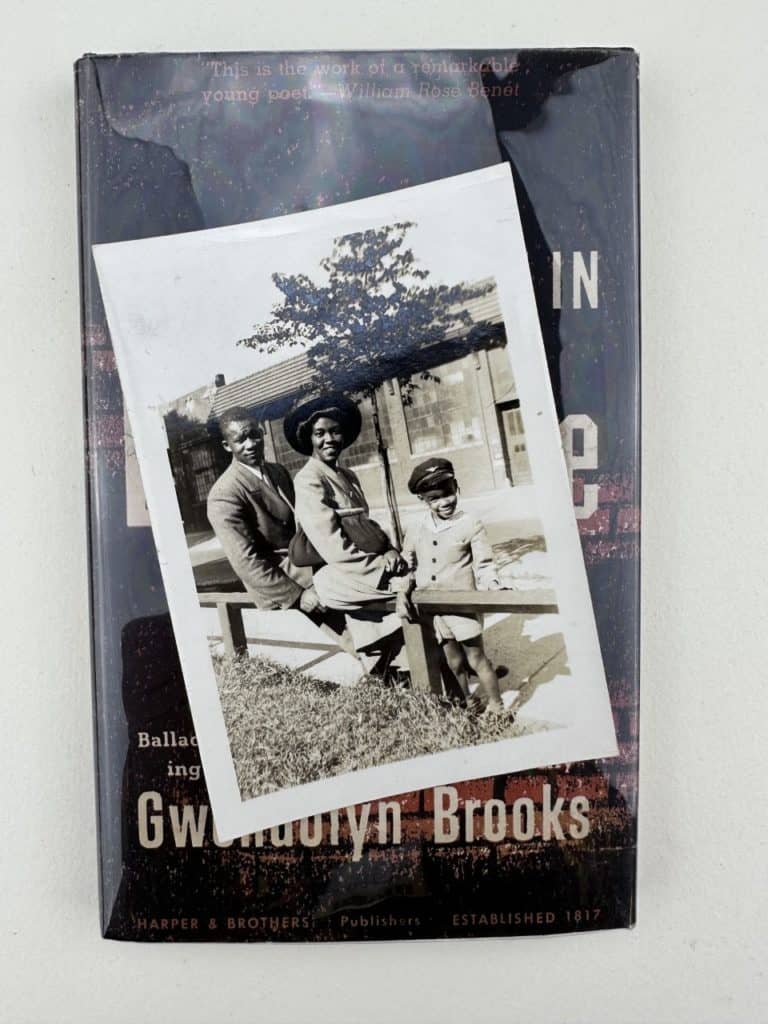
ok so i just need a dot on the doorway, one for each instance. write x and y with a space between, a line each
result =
516 463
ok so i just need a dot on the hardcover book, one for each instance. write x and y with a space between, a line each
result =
361 372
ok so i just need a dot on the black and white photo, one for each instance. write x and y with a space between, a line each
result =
352 465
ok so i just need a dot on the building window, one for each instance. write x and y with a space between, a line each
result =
203 469
365 451
284 454
445 413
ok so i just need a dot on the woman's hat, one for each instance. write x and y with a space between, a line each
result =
297 425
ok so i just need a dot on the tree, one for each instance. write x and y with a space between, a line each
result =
372 319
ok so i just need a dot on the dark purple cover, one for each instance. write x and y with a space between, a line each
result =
180 142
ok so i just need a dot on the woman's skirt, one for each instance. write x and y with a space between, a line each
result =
361 597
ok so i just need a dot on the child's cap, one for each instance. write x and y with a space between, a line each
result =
429 473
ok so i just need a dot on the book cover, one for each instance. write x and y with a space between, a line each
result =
350 293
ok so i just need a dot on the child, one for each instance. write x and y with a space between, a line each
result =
449 550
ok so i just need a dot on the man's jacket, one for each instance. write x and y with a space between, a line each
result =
254 525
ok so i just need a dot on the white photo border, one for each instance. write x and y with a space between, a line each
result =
583 707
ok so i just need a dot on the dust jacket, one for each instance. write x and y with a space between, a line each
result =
361 376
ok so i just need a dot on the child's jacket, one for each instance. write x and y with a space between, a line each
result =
451 554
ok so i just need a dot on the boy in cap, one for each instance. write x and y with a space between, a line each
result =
449 550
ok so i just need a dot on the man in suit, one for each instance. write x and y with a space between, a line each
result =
250 508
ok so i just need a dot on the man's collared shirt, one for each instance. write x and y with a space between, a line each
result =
265 479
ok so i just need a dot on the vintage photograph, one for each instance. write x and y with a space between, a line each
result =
353 471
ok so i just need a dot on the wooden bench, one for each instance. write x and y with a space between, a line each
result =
421 645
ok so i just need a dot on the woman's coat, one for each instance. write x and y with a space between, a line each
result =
351 577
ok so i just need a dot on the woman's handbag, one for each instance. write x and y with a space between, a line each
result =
302 552
364 533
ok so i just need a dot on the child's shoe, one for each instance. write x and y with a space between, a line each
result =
495 706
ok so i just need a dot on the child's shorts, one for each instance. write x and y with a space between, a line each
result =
457 627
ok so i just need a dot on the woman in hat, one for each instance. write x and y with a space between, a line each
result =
358 559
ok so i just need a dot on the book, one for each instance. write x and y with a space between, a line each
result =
368 296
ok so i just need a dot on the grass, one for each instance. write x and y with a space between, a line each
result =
286 729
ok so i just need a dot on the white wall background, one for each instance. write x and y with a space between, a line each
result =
699 950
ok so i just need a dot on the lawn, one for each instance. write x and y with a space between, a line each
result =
286 729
